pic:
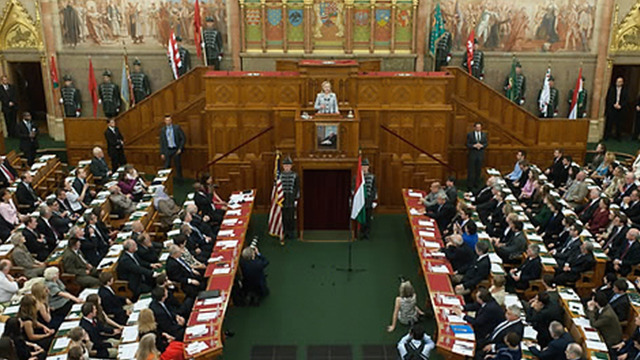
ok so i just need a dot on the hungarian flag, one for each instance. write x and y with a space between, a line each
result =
277 199
576 95
512 92
437 29
54 73
470 41
125 89
545 94
197 25
93 89
174 55
358 211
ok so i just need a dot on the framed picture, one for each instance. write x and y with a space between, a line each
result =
327 137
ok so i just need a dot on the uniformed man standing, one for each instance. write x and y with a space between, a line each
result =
581 101
109 94
213 47
552 106
477 64
185 58
291 189
70 99
443 50
519 85
140 82
371 196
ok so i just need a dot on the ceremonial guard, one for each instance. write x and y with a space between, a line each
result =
514 88
581 102
371 196
477 64
551 110
140 82
291 189
70 99
443 50
185 58
109 94
212 44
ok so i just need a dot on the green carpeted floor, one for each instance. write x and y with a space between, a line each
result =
311 303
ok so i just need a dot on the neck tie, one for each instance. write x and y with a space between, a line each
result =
499 329
134 259
477 136
167 310
7 173
624 253
185 265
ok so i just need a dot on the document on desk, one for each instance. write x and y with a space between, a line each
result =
237 212
197 330
530 333
57 357
591 335
464 348
129 334
430 244
225 233
450 300
415 212
576 307
142 304
227 243
230 222
196 347
582 322
68 325
61 343
206 316
427 234
127 351
428 223
221 270
596 345
440 269
213 301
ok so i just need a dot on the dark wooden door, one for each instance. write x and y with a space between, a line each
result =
29 83
326 199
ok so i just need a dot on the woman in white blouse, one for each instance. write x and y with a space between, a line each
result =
326 101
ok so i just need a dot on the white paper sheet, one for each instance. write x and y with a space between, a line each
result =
129 334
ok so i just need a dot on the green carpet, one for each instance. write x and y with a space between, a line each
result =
627 146
311 303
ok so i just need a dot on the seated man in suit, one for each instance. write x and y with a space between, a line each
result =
495 339
74 263
477 272
531 269
585 213
612 241
8 174
253 264
46 228
202 222
488 314
540 315
459 254
570 270
631 346
604 319
432 197
198 244
577 192
99 167
97 234
558 344
26 195
620 301
556 166
204 202
625 189
443 212
451 190
146 250
628 254
78 185
89 248
483 195
35 242
511 251
136 271
180 272
93 328
167 321
630 205
117 306
571 248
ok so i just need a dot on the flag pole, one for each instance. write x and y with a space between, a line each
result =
204 48
349 269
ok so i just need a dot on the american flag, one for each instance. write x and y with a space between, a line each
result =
174 55
277 198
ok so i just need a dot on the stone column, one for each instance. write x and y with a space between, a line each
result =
421 32
233 18
601 79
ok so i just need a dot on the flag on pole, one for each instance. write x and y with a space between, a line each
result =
54 73
197 24
576 94
174 55
93 89
470 41
277 199
512 92
545 94
437 29
125 93
358 211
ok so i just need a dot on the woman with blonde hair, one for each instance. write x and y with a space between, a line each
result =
326 100
147 348
603 169
40 292
33 329
21 256
147 325
406 309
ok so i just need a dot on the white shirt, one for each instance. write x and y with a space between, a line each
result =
8 288
72 197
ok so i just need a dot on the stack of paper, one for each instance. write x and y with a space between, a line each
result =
127 351
142 304
596 345
412 211
427 234
206 316
129 334
225 233
197 330
463 348
440 269
196 347
230 222
68 325
450 300
221 270
61 343
227 243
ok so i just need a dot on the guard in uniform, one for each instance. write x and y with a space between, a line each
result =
185 58
70 99
140 82
520 85
443 50
212 44
477 64
371 197
582 101
109 94
552 107
291 189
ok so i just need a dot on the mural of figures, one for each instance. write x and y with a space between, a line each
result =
136 22
538 25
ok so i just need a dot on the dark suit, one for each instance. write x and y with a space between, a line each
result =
555 349
460 257
487 318
115 147
49 232
589 210
137 272
40 249
442 214
148 254
254 278
91 250
476 158
26 196
78 185
497 335
180 273
555 169
10 111
477 272
633 212
614 116
171 153
513 249
166 320
629 257
206 207
531 269
568 251
5 178
93 329
628 189
62 225
113 304
620 305
99 169
540 321
552 227
28 145
578 265
483 195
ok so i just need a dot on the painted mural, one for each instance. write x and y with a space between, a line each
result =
507 25
87 23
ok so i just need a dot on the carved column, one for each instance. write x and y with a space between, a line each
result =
243 31
601 80
263 15
348 33
372 17
421 32
235 33
394 9
285 21
414 17
308 24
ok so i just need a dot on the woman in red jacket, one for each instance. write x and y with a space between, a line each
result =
600 219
